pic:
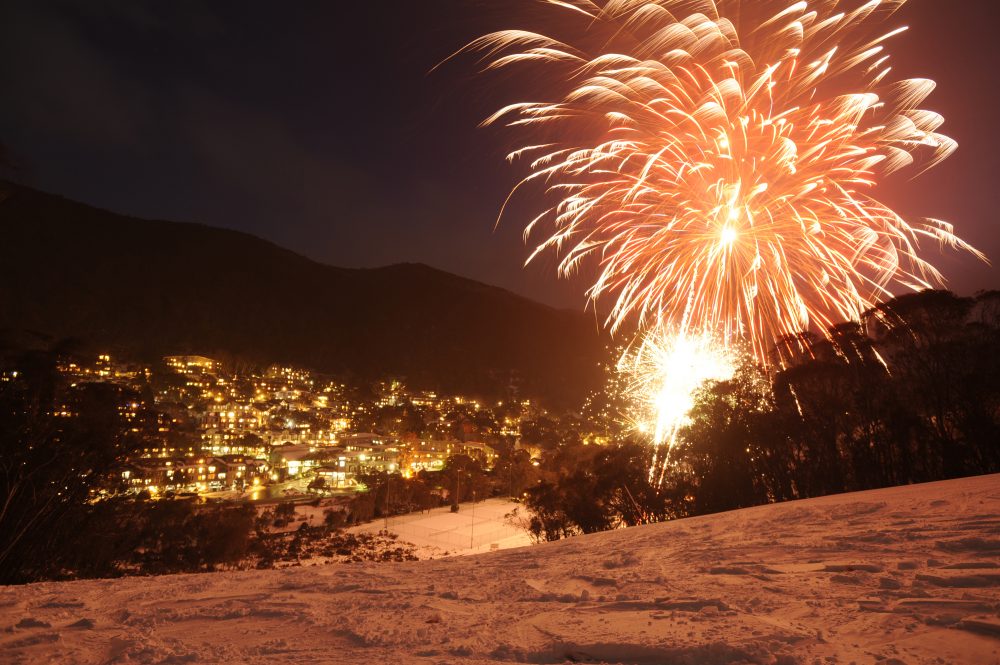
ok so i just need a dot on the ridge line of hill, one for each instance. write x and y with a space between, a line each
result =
147 288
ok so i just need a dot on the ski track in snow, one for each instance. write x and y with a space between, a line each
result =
903 576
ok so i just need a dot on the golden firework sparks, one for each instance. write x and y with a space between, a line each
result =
664 373
718 160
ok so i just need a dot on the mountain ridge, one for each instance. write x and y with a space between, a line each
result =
152 287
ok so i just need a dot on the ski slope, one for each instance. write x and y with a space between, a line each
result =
907 575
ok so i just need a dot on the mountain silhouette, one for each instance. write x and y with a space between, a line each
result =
146 288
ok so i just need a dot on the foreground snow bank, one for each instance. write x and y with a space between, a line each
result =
905 575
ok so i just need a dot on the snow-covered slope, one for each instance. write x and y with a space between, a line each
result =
483 527
906 575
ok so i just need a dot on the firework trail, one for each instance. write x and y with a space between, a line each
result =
717 159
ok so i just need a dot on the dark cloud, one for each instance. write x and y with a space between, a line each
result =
57 83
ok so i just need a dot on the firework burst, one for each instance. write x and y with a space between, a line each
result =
717 160
664 373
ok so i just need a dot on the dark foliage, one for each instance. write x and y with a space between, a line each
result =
912 394
464 479
605 488
57 443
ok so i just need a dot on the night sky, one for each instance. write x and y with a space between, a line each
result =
318 126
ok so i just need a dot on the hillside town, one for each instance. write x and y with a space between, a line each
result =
263 433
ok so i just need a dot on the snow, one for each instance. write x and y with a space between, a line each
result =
482 527
907 575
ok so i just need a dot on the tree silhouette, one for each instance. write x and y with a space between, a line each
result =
910 393
58 444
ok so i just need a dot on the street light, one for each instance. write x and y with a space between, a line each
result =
387 478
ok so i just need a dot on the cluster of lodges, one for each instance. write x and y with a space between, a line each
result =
220 430
338 465
195 474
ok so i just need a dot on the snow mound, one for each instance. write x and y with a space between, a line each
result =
908 575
